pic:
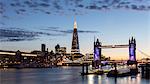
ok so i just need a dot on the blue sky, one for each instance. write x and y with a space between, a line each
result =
53 25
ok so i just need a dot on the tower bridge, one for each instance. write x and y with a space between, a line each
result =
98 51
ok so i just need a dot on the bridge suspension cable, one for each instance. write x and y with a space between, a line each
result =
143 53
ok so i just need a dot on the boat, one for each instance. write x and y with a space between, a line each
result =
119 72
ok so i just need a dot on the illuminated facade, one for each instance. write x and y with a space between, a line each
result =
75 40
75 50
132 49
97 54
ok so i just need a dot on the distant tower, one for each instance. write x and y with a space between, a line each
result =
43 47
18 56
75 40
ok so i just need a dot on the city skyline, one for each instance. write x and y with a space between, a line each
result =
111 26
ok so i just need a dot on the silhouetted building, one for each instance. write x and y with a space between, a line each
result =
57 47
62 50
43 47
18 56
36 52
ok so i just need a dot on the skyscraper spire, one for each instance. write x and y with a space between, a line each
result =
75 23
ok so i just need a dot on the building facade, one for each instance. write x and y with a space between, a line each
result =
75 49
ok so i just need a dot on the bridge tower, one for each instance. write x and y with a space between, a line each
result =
132 49
97 54
132 56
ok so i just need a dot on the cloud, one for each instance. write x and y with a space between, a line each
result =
2 23
80 5
60 31
87 31
71 31
55 6
12 34
46 1
44 5
2 10
17 39
67 7
50 28
18 34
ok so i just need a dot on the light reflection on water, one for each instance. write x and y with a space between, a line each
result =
103 79
62 75
91 79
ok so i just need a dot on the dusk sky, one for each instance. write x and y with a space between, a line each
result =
26 24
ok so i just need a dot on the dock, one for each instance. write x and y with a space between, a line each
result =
145 70
85 70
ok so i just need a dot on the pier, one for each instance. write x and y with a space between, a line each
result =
85 70
145 70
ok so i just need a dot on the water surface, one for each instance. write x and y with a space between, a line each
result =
62 75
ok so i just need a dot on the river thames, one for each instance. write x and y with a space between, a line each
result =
62 75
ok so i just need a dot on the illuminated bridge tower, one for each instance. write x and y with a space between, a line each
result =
75 51
97 54
132 51
132 56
